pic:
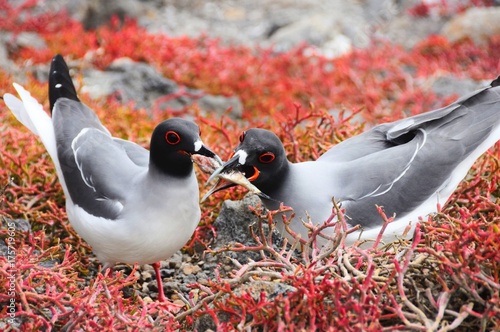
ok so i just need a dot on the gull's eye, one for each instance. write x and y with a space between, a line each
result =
172 137
242 136
266 157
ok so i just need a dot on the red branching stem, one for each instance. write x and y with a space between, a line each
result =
387 221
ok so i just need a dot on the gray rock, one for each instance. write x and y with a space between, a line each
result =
336 25
5 63
21 225
478 24
316 30
93 13
234 220
397 30
377 11
283 23
243 22
221 104
49 263
143 85
30 39
39 7
12 43
12 225
129 81
233 226
449 85
4 249
168 20
175 261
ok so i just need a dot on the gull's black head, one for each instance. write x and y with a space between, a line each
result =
261 157
173 143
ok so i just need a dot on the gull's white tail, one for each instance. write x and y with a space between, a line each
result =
30 113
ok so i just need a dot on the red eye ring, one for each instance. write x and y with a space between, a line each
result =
242 136
266 157
172 137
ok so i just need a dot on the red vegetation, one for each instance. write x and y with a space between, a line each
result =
447 277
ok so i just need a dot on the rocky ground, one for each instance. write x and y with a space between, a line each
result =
330 28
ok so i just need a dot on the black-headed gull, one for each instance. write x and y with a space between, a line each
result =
130 204
407 167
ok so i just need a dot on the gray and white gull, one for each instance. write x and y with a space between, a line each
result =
130 204
408 167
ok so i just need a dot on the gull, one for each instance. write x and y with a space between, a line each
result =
408 167
130 204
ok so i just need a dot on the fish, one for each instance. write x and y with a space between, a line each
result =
229 179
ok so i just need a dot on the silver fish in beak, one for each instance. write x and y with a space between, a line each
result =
229 177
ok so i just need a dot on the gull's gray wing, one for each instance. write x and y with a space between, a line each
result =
387 135
401 164
96 167
106 171
376 177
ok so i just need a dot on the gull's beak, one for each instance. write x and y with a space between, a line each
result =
230 166
204 151
229 175
221 184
